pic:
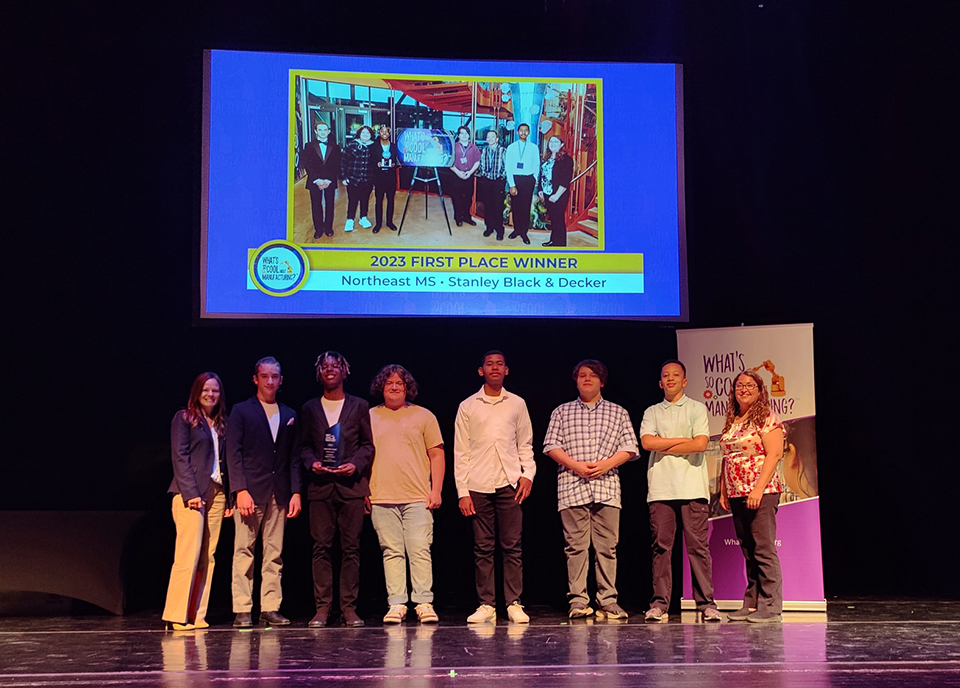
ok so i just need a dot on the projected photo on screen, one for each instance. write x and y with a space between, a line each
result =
426 139
361 186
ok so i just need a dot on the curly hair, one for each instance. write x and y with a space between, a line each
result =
758 413
336 356
380 381
193 414
370 129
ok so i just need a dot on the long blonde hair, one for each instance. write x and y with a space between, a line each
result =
757 415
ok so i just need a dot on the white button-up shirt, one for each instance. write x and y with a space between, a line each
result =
493 437
523 158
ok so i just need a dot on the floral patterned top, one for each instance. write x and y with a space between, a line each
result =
743 456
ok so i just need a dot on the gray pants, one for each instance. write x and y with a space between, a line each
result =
694 514
598 524
757 531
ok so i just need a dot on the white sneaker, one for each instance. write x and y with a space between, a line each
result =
349 226
396 614
516 614
483 614
365 223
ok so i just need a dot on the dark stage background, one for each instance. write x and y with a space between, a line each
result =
819 188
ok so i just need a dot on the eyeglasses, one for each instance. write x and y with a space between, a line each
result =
747 386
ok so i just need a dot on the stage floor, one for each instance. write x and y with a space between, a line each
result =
856 643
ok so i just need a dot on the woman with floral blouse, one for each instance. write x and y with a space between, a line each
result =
752 444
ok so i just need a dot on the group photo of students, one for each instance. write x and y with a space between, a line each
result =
340 458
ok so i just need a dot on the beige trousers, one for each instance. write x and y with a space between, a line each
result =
197 534
269 519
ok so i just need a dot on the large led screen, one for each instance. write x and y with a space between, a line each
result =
361 186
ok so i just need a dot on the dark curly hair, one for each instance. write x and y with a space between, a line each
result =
336 356
757 415
380 380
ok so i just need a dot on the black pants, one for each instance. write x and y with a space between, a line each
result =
498 518
757 532
385 186
461 193
557 212
521 203
491 193
322 202
326 515
694 514
358 195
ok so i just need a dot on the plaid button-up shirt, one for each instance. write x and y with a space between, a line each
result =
589 434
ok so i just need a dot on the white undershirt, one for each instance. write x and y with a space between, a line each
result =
215 475
273 417
332 409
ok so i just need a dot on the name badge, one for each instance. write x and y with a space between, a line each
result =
463 160
519 165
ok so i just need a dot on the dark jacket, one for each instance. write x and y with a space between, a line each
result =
191 450
356 163
377 156
257 463
562 175
356 447
318 167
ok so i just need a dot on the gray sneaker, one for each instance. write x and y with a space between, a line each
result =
764 616
741 614
578 610
612 611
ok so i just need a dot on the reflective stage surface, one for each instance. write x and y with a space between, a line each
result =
862 643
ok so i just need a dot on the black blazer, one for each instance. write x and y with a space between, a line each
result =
191 450
377 157
356 447
257 463
562 175
318 167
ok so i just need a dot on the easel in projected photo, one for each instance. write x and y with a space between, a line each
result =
426 196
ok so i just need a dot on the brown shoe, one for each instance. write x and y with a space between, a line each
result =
350 618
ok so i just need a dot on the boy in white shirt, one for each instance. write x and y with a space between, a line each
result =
494 469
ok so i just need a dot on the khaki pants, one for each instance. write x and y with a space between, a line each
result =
197 534
583 525
269 518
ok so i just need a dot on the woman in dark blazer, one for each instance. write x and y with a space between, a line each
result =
556 174
199 490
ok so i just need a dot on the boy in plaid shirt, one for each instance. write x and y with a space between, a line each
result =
589 438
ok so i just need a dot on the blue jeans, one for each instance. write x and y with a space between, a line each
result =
406 533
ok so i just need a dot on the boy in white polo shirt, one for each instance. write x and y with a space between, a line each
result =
676 432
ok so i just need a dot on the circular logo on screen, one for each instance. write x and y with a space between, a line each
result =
279 268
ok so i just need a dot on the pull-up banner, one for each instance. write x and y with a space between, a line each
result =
783 356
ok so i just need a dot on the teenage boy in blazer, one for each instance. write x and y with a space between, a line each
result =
266 485
336 449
